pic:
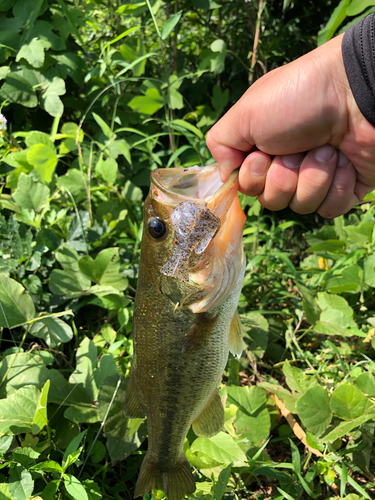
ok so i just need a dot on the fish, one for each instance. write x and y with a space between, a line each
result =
185 318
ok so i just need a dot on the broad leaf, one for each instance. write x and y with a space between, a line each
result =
105 269
30 194
44 159
348 402
221 448
53 330
344 428
18 90
50 97
17 306
147 104
123 435
314 410
107 169
21 483
18 410
366 384
74 487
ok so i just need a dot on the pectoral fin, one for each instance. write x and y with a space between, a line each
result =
235 336
212 418
132 408
200 332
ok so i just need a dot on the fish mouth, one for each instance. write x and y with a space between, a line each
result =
208 223
173 186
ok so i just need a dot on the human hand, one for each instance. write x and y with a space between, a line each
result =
306 105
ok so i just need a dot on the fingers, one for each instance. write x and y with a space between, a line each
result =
345 191
324 181
314 180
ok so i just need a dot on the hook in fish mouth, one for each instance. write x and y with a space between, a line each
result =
195 226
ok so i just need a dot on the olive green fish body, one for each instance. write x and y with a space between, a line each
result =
181 334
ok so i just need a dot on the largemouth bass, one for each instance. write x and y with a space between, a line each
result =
185 317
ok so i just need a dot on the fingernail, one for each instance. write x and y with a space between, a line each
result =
342 161
259 166
324 153
292 161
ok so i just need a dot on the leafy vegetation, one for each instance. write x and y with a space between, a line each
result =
95 98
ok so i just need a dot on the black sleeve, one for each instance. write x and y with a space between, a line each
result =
358 50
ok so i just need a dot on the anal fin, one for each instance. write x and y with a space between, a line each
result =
235 336
132 408
211 420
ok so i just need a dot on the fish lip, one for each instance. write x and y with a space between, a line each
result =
156 180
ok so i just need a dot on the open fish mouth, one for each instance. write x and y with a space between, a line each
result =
207 221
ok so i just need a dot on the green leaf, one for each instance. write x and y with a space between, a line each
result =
183 124
71 281
358 6
18 90
221 484
5 493
86 361
132 192
221 448
123 436
49 466
314 410
337 17
170 25
69 144
17 306
18 410
80 414
255 334
53 330
348 402
25 456
366 384
50 97
107 169
105 269
40 417
369 270
296 378
33 52
74 487
349 281
44 159
286 396
36 137
102 124
344 428
73 181
296 457
72 448
21 483
30 194
5 442
148 104
309 304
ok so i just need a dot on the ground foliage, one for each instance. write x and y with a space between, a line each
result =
96 98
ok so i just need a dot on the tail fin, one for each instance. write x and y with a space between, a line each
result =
176 483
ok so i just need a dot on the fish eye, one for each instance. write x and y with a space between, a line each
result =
157 228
